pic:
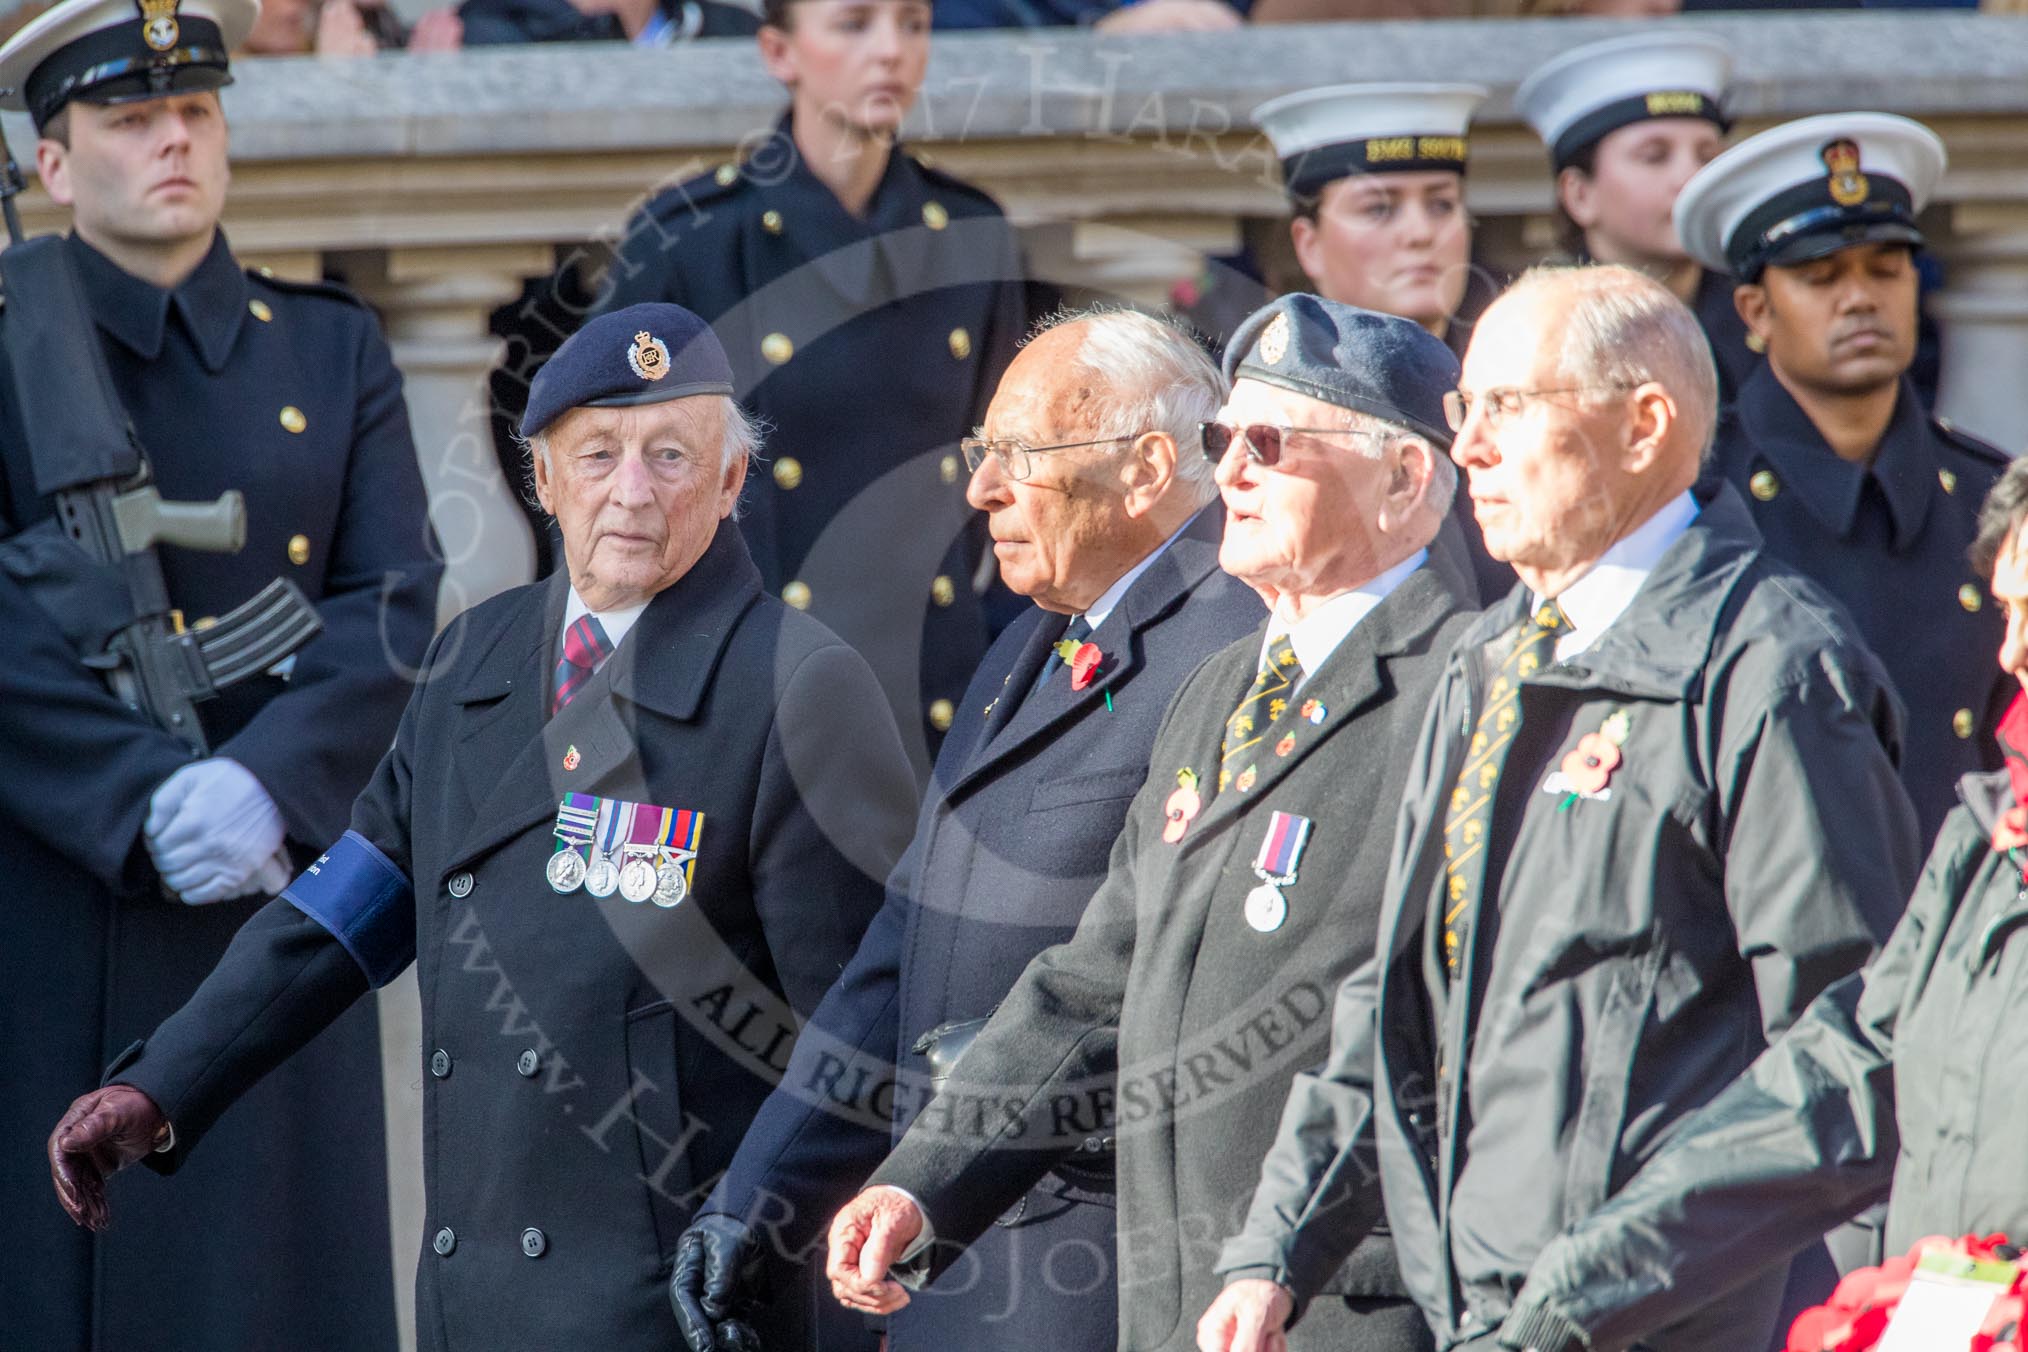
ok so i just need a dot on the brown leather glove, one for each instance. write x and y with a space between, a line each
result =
102 1133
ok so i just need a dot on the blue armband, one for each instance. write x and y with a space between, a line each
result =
358 894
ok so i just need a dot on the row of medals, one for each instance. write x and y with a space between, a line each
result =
639 879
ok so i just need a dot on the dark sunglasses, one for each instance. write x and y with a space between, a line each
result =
1263 440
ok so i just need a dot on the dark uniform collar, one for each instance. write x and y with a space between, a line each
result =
212 301
667 659
1830 487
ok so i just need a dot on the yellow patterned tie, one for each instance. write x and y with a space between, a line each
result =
1264 704
1471 806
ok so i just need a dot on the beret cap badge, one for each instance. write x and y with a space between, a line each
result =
159 27
1274 340
649 356
1848 186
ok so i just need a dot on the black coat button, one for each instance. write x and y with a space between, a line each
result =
444 1242
534 1243
461 886
440 1064
528 1063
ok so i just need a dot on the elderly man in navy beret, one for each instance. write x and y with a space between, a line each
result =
1247 880
632 825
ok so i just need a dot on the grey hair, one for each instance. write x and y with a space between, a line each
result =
1443 474
743 438
1152 377
1624 329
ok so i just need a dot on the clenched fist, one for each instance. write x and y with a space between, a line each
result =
102 1133
867 1237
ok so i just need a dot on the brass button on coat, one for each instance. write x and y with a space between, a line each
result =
1948 480
1963 724
934 216
940 713
293 419
961 344
725 174
943 591
771 221
949 469
299 549
797 594
259 310
777 348
1764 485
1968 597
788 472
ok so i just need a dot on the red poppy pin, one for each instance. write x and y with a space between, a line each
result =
1182 807
1083 659
1588 768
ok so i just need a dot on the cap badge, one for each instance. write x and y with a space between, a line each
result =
649 356
158 24
1848 185
1274 339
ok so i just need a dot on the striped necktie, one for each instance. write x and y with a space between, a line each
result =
585 645
1262 708
1471 805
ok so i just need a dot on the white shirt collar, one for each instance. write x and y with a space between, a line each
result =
1602 595
616 623
1095 614
1317 635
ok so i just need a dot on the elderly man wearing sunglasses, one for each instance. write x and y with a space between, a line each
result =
1246 881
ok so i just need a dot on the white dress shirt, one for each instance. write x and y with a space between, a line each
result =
1602 595
1317 635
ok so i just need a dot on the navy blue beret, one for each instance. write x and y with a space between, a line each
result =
644 354
1389 367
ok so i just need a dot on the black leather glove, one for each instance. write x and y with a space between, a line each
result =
717 1276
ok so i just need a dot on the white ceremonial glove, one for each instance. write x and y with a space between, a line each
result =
214 833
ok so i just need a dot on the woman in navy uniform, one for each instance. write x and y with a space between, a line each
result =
1627 122
1375 177
1849 479
869 304
633 824
134 861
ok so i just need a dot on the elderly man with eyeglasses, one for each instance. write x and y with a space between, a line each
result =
1653 813
1247 879
1104 514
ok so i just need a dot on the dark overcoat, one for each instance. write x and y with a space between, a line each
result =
285 392
1890 541
869 345
1012 840
589 1063
1171 1006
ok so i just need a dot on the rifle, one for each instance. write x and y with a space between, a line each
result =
93 565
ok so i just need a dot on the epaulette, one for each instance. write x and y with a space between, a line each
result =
1977 447
958 187
316 287
727 179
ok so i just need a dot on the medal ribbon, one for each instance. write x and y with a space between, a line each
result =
616 818
576 821
1282 848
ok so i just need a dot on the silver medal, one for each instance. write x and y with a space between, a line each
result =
1266 909
566 870
637 881
602 879
670 889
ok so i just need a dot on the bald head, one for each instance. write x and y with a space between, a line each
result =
1593 398
1068 523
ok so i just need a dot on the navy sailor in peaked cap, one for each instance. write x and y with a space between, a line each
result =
633 823
147 857
1849 479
